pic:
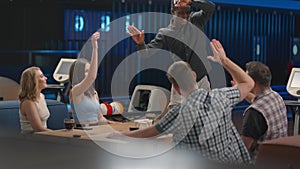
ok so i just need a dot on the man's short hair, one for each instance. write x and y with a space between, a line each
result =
259 72
180 74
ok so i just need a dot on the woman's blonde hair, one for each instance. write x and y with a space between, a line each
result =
29 84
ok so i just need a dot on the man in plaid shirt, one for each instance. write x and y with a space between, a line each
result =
203 123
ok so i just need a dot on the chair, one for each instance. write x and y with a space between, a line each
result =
281 153
9 115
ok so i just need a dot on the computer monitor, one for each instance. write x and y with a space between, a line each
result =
142 103
146 98
293 85
61 73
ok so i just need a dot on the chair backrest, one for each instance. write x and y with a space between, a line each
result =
10 120
9 116
280 153
58 112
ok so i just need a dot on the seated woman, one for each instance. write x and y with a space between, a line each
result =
33 112
82 94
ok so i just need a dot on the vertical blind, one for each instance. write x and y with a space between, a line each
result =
259 34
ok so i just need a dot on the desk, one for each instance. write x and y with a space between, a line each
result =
42 152
98 133
294 104
120 145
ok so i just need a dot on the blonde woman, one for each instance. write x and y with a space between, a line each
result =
33 111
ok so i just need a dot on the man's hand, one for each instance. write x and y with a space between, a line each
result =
182 3
218 50
136 35
115 135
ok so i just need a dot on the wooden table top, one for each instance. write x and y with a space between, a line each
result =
97 133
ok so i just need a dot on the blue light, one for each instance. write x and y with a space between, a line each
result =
295 50
257 49
105 23
79 23
127 22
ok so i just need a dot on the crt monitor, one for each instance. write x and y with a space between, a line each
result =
293 85
61 73
148 98
142 103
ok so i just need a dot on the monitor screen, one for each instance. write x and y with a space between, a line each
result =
293 85
61 73
143 100
296 80
64 68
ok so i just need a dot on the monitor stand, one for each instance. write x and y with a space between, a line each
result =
295 107
58 89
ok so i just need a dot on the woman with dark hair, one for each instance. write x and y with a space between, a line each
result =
82 95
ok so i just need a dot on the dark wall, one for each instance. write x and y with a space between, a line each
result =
28 24
297 25
34 24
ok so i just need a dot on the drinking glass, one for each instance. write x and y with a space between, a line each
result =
69 124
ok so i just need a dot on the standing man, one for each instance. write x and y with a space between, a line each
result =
181 37
266 117
203 122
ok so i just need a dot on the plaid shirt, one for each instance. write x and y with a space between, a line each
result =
271 105
203 123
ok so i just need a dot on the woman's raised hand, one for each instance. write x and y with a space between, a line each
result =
95 37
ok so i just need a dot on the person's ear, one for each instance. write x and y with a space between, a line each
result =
255 85
176 88
194 74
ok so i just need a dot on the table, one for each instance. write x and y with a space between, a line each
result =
295 107
98 133
42 151
121 145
